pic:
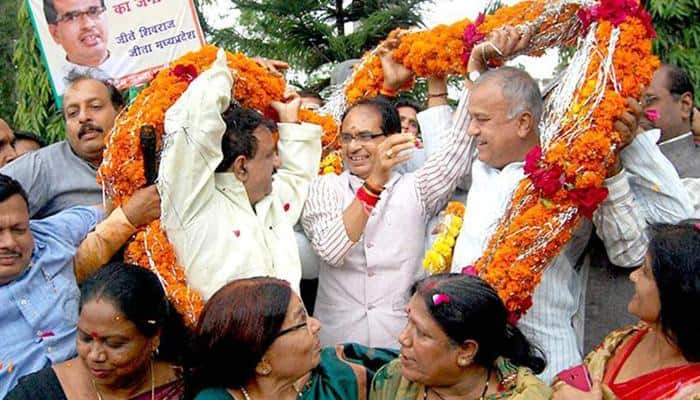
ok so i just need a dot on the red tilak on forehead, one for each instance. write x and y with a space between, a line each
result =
94 335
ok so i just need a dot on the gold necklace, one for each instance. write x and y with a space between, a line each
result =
299 391
153 385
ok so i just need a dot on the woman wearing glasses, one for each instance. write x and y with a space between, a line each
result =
254 340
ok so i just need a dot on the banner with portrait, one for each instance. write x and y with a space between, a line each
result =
123 41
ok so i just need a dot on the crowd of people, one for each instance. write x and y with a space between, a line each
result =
241 201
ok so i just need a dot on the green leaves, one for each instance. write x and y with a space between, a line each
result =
8 31
311 33
36 110
677 26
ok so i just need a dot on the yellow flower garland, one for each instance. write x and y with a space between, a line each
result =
439 258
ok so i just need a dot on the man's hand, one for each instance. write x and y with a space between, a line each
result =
143 207
274 66
288 110
628 124
500 44
388 156
395 74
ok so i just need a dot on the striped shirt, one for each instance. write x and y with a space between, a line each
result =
363 285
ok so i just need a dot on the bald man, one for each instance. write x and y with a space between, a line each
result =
7 149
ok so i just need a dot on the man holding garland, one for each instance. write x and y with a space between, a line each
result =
230 194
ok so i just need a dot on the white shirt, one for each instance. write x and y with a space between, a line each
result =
363 286
217 235
620 224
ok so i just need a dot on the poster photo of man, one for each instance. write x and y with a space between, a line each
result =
123 41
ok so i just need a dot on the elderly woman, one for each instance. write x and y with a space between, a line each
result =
658 358
458 344
128 338
254 340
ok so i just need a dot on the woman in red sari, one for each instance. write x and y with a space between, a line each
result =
659 358
130 341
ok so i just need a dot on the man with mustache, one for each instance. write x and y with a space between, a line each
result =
80 28
38 289
668 107
62 175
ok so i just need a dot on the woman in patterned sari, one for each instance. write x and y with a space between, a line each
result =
129 342
458 344
659 358
254 340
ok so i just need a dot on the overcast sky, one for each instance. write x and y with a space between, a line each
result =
222 14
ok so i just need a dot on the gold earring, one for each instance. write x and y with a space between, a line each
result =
264 368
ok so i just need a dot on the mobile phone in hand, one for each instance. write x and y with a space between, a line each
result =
577 377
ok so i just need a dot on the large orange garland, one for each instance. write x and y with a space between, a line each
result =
438 51
518 252
122 172
509 263
515 258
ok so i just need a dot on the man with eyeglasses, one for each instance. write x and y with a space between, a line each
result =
80 28
368 224
668 107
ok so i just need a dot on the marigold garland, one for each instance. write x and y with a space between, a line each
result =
326 122
439 258
565 180
565 183
332 163
440 51
122 173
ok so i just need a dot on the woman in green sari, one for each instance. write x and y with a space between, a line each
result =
458 344
254 340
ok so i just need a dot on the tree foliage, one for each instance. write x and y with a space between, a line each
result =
311 33
677 26
8 33
36 110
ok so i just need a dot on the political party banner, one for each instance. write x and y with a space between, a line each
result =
123 41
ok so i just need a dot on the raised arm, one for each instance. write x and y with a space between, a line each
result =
437 179
192 146
644 188
299 149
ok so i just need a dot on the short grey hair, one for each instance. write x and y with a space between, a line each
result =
518 87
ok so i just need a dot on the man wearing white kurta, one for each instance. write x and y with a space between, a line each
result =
236 223
505 109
